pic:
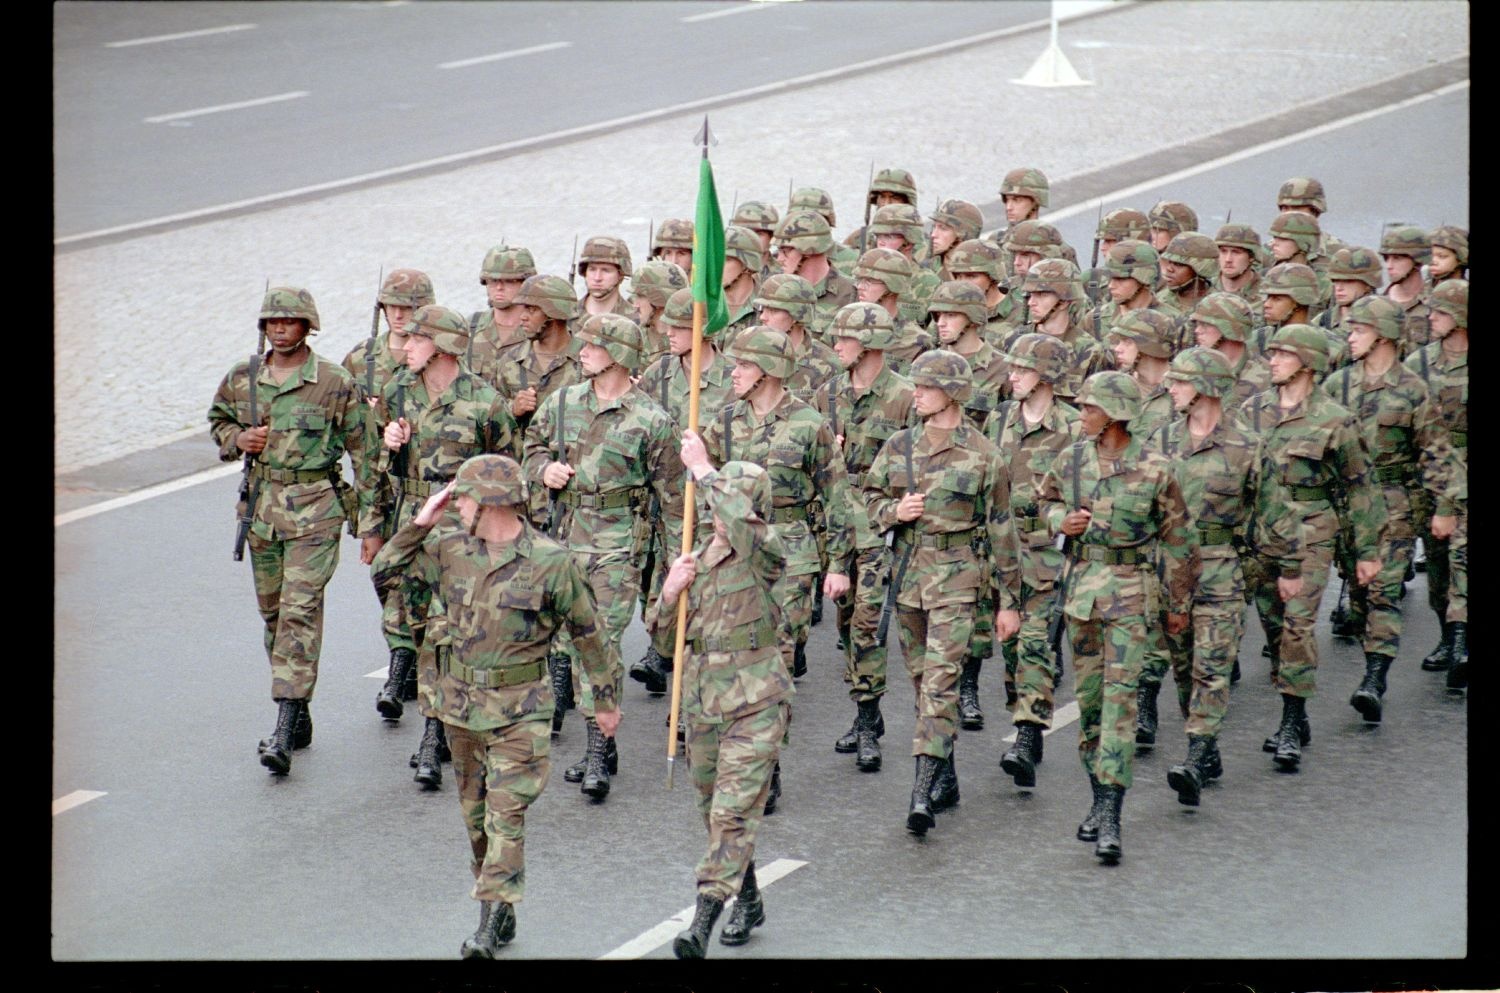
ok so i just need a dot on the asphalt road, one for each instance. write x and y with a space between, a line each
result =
145 128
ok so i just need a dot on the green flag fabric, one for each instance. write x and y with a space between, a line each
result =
708 252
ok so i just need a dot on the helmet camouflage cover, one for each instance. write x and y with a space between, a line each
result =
289 301
893 181
1292 279
975 255
1357 264
448 329
788 292
757 215
550 293
744 245
1048 355
1380 313
1451 296
1115 393
1174 216
867 323
962 216
812 198
806 231
492 481
656 280
1055 276
1151 330
674 232
1308 343
1299 228
1406 239
602 248
898 218
948 371
505 262
1230 313
1205 369
765 347
617 335
887 265
1036 237
1026 182
1196 251
1238 236
407 288
1455 239
961 297
1132 259
1302 191
1123 223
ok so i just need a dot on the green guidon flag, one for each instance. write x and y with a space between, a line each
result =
708 252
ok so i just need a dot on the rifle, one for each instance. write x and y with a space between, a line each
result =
554 522
650 235
250 484
899 576
864 232
399 461
1065 583
1094 256
370 342
573 266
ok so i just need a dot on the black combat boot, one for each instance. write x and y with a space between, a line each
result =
1345 619
409 684
970 717
1213 766
301 733
1234 673
653 669
1289 737
1304 734
574 772
277 754
444 755
1440 659
919 815
868 725
945 786
693 943
799 661
1020 761
1010 691
560 672
497 925
749 911
1366 699
597 763
774 793
1188 778
817 608
1108 848
1088 828
1458 672
849 742
388 700
1145 718
429 765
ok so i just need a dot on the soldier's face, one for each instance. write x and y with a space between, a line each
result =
883 197
1277 308
765 238
979 279
951 326
680 340
1183 394
943 237
745 377
1283 249
1160 238
1362 338
733 269
1346 291
1023 381
502 291
1018 207
1041 303
532 319
468 509
419 351
1234 261
1206 335
286 334
1105 244
396 316
1398 267
1284 366
1444 263
930 400
601 278
645 310
1092 419
775 317
1126 352
1024 261
1175 273
848 350
869 290
1123 288
594 359
895 242
1441 324
681 257
789 259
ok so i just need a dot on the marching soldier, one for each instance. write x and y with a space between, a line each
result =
1295 237
1055 302
1448 255
1405 249
604 265
673 243
1168 219
811 198
1131 518
1239 262
787 304
498 326
1222 321
741 279
883 276
803 243
1134 268
501 590
1143 344
942 487
1113 227
954 222
1291 292
650 287
1189 266
548 359
978 262
1355 274
1024 192
734 686
887 187
1305 194
898 227
762 218
291 415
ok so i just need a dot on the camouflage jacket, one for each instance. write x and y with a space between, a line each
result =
991 382
487 345
843 259
915 340
1252 376
1446 375
315 417
1214 476
522 367
621 306
816 362
739 320
1252 292
1027 451
666 382
1140 523
914 301
498 609
731 608
832 292
1415 330
1156 409
1101 320
468 419
371 363
621 450
1405 437
965 542
865 420
1089 357
794 444
1309 460
1334 327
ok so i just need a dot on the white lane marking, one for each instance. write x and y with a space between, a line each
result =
161 489
581 131
668 929
1061 718
498 56
1246 153
710 15
377 674
220 108
74 799
174 37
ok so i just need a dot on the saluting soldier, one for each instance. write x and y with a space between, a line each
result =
291 415
501 591
497 327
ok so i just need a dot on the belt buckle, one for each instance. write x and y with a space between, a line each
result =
754 639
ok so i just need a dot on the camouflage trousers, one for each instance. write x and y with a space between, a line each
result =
1158 655
796 596
731 764
935 642
1203 660
1458 569
500 773
1034 667
982 640
1107 658
664 638
290 575
865 656
1290 626
616 581
1382 598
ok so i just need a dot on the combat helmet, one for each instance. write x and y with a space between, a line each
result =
1292 279
806 231
887 265
1048 355
1300 229
757 215
1308 343
812 198
1378 312
898 218
751 481
1036 237
617 335
788 292
656 280
961 297
765 347
447 328
1406 239
1196 251
1238 236
1115 393
674 232
492 481
1122 223
962 216
1151 330
1055 276
948 371
289 301
1229 313
1451 296
1205 369
505 262
678 312
1455 239
1132 259
744 245
867 323
1026 182
1302 192
602 248
406 288
1174 216
975 255
1357 264
893 181
551 294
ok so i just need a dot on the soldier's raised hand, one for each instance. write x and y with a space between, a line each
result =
694 453
556 475
684 570
433 508
911 507
397 434
252 441
524 402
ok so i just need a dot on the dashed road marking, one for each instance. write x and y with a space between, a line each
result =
74 799
161 489
1061 718
127 43
220 108
710 15
498 56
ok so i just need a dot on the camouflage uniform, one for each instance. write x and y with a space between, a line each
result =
615 252
656 281
1135 260
1414 243
965 219
888 266
1061 277
496 610
1117 225
815 363
1004 318
808 233
487 340
1246 237
903 219
1233 318
1200 254
1026 182
1297 282
841 256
